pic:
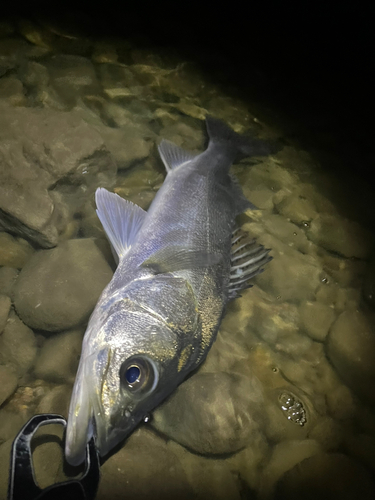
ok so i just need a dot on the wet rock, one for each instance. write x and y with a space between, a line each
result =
340 402
56 400
127 145
248 463
368 288
72 77
316 319
42 149
290 276
268 173
9 381
183 135
26 398
59 356
350 348
297 208
10 425
5 304
14 252
345 272
58 289
17 345
328 433
139 470
287 232
48 455
12 91
327 477
261 198
5 449
8 276
340 235
284 457
104 52
208 478
212 413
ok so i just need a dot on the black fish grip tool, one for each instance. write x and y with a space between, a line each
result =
22 483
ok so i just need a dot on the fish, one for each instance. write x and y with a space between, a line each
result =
179 264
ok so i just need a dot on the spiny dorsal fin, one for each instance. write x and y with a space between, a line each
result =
173 156
247 260
121 220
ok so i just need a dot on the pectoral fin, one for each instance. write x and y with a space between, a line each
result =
121 220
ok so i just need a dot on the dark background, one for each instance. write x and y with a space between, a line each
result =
311 60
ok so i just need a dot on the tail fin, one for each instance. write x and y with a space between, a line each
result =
243 146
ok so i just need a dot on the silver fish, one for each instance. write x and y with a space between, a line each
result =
178 266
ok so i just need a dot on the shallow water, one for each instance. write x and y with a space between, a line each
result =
283 405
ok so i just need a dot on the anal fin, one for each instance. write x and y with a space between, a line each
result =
247 260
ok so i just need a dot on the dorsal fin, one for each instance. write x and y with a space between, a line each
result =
173 156
121 220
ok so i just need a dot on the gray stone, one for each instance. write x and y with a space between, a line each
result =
17 345
284 457
327 477
328 433
340 235
12 91
291 275
72 77
316 319
5 449
40 150
5 304
14 252
350 348
297 208
10 424
58 289
59 356
208 478
56 400
8 276
144 468
8 385
212 413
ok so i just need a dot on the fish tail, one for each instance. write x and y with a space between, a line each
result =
241 146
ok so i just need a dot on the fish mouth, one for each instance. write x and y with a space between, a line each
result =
87 416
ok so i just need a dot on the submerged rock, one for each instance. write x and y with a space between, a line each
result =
59 356
316 319
144 468
284 457
340 235
58 289
38 149
8 276
350 348
17 345
4 310
14 252
9 381
327 477
212 413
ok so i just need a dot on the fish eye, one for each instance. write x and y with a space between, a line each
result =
138 375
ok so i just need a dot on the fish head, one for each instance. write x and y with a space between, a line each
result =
134 364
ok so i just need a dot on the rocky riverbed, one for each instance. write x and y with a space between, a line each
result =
283 405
